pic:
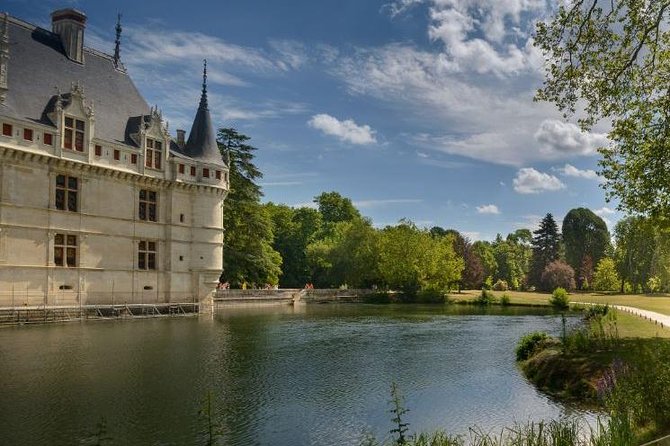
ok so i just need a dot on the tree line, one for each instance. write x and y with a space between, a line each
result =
331 244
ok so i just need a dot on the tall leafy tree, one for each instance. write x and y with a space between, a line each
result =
248 253
610 60
512 257
605 277
546 248
473 271
584 234
335 208
484 251
635 246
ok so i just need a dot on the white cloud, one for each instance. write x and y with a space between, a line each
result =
347 130
604 211
473 236
531 181
488 209
564 137
571 171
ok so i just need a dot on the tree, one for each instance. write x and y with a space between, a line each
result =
585 276
584 234
605 277
294 230
484 251
513 258
248 253
546 248
473 272
636 245
335 208
558 274
612 59
411 259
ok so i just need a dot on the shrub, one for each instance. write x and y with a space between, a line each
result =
605 277
380 297
504 300
654 284
558 274
485 298
529 344
500 285
431 296
559 299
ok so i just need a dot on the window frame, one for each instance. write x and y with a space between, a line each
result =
153 154
7 129
28 134
147 209
67 191
50 137
147 255
67 246
74 135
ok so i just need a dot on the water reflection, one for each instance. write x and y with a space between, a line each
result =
313 375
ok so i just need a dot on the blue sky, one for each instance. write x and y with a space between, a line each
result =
418 109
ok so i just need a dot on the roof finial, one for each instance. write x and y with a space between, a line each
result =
117 42
203 98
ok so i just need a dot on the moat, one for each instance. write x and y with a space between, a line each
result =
309 375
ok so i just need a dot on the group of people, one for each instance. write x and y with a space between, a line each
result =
309 286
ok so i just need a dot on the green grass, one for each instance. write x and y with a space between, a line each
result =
629 326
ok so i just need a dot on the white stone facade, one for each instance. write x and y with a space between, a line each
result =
87 220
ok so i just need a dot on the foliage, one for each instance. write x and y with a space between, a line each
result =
585 276
641 392
398 411
654 284
559 299
293 230
411 260
349 253
249 256
484 251
529 344
431 295
505 300
611 59
212 426
546 248
473 271
485 298
335 208
558 274
634 238
500 285
513 258
605 277
584 234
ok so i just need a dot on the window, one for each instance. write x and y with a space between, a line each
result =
98 150
117 155
146 255
48 139
181 168
7 130
148 205
73 136
192 171
133 158
154 151
205 172
66 193
28 134
218 174
65 250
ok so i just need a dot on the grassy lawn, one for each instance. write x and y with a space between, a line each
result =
629 326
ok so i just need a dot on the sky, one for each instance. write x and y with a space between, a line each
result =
417 109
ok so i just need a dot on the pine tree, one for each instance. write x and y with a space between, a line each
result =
546 248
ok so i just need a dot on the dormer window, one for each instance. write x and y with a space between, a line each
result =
153 153
73 134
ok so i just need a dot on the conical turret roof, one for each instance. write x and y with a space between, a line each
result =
201 142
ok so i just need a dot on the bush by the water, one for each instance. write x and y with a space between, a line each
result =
431 296
529 344
504 300
485 298
559 299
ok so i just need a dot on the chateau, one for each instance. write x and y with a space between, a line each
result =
98 202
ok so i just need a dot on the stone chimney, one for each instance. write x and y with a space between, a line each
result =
181 140
69 24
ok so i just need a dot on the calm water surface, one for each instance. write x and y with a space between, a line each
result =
313 375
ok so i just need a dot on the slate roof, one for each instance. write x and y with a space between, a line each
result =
201 143
38 66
